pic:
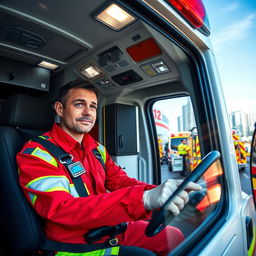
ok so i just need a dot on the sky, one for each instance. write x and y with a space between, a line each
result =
233 36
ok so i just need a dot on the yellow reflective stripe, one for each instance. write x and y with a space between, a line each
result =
44 137
86 189
48 184
115 250
254 183
44 155
102 151
103 252
57 189
32 197
253 243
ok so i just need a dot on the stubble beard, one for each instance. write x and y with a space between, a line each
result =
77 129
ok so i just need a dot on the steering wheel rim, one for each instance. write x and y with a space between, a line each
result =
160 218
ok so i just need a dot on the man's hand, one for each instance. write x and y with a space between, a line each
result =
156 197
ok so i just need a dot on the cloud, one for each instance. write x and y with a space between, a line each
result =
236 31
240 104
231 7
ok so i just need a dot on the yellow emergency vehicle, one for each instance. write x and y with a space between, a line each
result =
193 155
240 150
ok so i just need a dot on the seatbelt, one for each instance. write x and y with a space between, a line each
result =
75 168
92 236
49 245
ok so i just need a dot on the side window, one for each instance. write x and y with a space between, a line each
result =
179 153
178 142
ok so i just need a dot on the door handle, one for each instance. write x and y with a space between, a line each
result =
121 141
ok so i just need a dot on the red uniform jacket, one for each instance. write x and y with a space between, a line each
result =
113 196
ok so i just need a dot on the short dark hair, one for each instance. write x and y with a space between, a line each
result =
63 92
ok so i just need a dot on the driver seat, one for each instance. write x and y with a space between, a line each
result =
20 226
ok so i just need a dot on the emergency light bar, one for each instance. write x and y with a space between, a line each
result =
194 12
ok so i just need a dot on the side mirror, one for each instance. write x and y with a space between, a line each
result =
253 164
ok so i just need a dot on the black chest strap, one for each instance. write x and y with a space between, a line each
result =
75 168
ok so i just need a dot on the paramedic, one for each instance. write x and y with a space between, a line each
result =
183 150
112 198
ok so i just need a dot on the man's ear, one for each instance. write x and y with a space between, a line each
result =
58 106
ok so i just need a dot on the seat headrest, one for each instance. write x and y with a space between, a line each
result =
27 112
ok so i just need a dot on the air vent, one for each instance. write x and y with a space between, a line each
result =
22 37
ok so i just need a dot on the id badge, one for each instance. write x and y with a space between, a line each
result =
76 169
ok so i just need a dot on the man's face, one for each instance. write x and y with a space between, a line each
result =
79 112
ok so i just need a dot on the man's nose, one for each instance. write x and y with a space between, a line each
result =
86 110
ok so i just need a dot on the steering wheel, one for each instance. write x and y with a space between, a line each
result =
162 217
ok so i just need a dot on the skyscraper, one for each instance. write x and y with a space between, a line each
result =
239 121
187 120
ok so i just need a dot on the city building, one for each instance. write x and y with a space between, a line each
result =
242 122
187 120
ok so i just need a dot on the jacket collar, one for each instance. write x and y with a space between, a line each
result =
66 142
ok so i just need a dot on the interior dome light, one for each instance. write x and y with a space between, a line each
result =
115 17
48 65
91 71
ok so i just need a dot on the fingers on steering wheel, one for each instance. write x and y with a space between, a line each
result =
172 207
193 186
184 195
179 202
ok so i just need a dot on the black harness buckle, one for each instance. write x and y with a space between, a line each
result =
65 158
76 169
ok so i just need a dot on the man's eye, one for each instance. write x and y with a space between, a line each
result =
78 105
93 107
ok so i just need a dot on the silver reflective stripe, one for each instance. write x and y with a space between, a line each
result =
50 184
73 191
112 251
108 252
42 154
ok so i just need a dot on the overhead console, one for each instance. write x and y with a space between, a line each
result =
133 59
112 58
